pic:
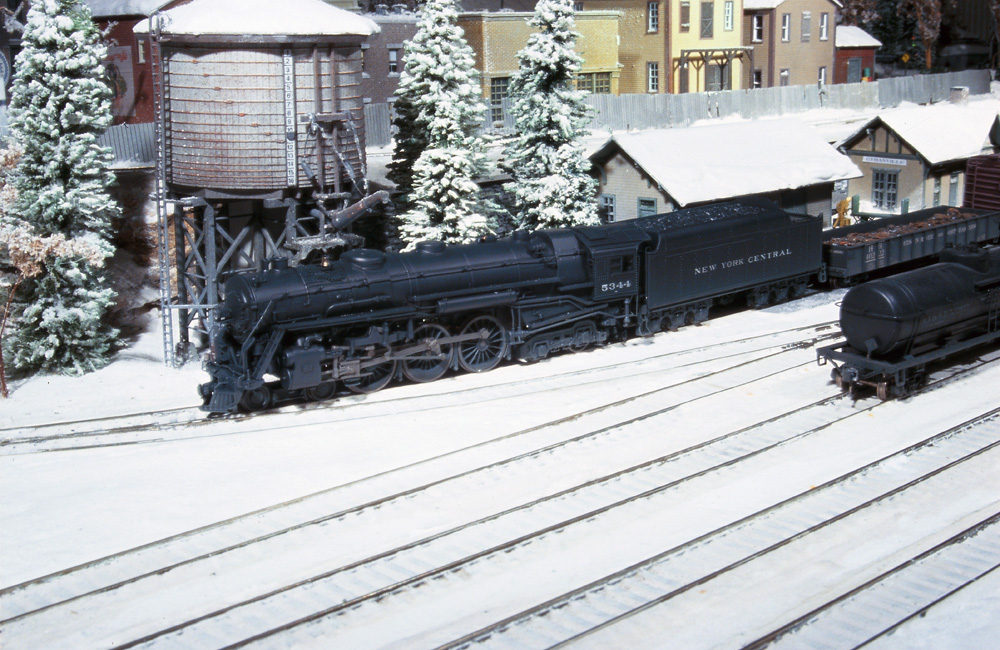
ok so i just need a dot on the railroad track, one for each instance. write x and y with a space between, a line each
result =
183 424
590 438
576 433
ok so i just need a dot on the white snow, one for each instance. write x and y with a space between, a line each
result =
261 17
715 160
851 36
941 132
65 508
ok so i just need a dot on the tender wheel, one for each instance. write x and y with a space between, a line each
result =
321 392
373 377
430 364
257 399
483 353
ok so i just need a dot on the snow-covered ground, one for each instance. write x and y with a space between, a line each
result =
714 474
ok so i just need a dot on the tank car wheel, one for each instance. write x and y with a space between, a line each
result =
483 353
882 390
429 364
375 377
321 392
257 399
838 379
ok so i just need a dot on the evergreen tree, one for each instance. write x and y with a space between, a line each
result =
859 12
437 154
927 13
551 184
59 105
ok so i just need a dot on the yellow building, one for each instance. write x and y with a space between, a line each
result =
706 46
496 38
676 46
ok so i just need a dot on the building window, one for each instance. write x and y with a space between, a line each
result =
757 28
822 76
784 75
594 82
806 26
758 79
953 189
499 91
653 77
937 191
685 16
653 16
393 60
727 21
577 6
824 27
786 27
647 208
707 17
607 208
885 189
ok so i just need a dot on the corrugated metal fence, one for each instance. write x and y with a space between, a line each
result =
618 112
134 145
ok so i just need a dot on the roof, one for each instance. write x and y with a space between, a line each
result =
759 5
940 132
850 36
720 161
116 8
246 18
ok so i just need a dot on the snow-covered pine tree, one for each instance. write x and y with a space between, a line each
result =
551 184
59 105
439 152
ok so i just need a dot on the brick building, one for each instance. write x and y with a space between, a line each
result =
793 41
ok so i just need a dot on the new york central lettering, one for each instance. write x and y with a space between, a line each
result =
753 259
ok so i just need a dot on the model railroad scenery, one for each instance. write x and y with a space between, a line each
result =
717 427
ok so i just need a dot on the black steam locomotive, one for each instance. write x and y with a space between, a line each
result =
371 317
894 327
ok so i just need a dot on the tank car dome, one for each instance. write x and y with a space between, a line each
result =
261 18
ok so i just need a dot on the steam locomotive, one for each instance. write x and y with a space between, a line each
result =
371 317
894 327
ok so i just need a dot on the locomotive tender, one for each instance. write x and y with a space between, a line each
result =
371 317
895 326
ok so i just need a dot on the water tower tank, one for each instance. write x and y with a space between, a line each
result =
261 98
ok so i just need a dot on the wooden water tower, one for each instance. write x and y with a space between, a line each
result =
261 142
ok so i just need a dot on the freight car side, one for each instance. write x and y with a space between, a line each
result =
872 248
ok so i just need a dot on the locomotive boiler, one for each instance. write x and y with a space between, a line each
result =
897 325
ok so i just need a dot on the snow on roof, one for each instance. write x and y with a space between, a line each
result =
757 5
941 132
112 8
850 36
720 161
262 17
